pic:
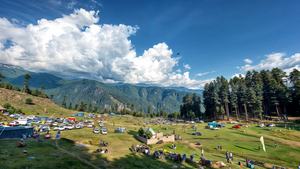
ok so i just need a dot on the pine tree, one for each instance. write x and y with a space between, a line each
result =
70 106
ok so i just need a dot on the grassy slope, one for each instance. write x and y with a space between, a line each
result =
15 99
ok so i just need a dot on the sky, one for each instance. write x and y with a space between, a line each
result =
163 43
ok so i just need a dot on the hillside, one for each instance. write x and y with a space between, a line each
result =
40 105
99 94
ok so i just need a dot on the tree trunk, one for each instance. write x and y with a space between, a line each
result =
277 111
245 106
237 116
285 112
254 115
227 111
264 111
215 114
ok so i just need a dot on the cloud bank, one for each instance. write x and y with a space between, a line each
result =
275 60
75 46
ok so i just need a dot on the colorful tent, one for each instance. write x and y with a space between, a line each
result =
151 130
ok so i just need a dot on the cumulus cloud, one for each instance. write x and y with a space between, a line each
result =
71 4
178 70
238 75
274 60
201 74
74 46
248 61
187 66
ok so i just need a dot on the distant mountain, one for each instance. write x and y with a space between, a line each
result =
97 93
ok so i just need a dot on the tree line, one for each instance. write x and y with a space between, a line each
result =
25 89
258 94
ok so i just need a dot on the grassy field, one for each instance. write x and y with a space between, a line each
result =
83 143
78 146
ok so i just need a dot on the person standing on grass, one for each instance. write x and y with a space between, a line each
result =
227 155
202 152
218 147
172 145
275 144
258 148
230 156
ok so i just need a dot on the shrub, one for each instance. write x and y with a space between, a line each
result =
148 135
11 111
7 105
28 101
37 113
141 132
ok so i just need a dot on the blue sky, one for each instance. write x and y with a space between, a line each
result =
213 38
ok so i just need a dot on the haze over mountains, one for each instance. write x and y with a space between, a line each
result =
100 94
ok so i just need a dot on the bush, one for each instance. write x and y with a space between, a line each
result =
28 101
7 105
11 111
148 135
18 111
141 132
37 113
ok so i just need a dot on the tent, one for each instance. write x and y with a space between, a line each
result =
213 124
151 130
15 132
80 114
112 114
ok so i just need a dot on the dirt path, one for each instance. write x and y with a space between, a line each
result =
72 154
291 143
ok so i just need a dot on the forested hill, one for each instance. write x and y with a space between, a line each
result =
97 93
257 95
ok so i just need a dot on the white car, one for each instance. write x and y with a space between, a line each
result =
101 124
13 123
55 124
89 125
261 125
215 128
69 127
96 131
61 128
56 128
272 125
103 132
233 122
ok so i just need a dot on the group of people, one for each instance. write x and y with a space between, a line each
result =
229 156
220 147
100 150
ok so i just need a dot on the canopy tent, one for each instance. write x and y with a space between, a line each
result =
80 114
15 132
151 130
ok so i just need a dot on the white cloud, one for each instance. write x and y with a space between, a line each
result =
71 4
95 3
187 66
238 75
74 46
178 70
248 61
201 74
274 60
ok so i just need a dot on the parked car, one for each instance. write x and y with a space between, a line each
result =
221 125
208 127
56 128
13 123
73 115
261 125
271 125
96 131
61 128
236 127
215 128
6 114
197 133
103 132
101 124
55 124
232 122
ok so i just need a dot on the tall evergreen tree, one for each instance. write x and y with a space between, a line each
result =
149 110
64 104
70 106
196 105
132 107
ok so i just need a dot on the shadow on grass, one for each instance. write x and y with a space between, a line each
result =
245 148
134 134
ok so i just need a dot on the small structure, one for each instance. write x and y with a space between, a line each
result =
157 137
15 132
213 124
112 114
2 109
80 114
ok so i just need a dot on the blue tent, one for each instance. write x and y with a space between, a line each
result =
112 114
80 114
213 124
15 132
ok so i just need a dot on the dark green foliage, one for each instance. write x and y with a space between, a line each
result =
148 135
141 132
7 105
76 106
28 101
70 106
64 104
